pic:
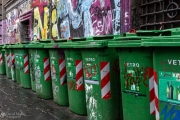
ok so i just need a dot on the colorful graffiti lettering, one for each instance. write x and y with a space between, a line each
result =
90 70
71 85
75 18
87 18
170 112
135 76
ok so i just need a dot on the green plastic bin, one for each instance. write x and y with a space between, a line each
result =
42 70
76 90
58 73
22 65
12 63
136 77
31 68
17 65
2 61
101 78
8 62
166 60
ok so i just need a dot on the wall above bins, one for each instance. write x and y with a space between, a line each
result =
64 18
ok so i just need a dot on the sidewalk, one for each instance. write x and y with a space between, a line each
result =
23 104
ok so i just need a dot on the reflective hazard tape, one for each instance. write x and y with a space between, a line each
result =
8 59
156 95
105 80
26 64
1 58
62 71
151 91
47 75
79 75
12 58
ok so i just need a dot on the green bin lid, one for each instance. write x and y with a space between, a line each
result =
19 45
161 41
54 43
133 39
35 45
70 42
91 44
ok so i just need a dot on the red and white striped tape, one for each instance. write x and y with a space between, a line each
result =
47 75
79 75
151 91
156 95
62 71
8 59
12 58
105 80
1 58
26 64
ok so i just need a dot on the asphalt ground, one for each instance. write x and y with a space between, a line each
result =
18 103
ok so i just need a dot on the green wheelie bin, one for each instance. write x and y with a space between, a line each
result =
166 60
136 75
17 64
8 62
101 78
31 68
42 70
58 73
23 65
2 61
76 90
12 65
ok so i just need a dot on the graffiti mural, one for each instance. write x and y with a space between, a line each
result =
12 26
78 18
24 7
64 19
40 19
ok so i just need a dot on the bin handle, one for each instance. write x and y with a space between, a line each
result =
54 39
38 39
70 38
132 31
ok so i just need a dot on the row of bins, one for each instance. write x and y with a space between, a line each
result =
105 77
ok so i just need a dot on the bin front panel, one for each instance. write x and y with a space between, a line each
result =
13 71
76 91
42 74
24 68
32 70
58 76
137 83
8 63
167 71
2 63
17 66
102 83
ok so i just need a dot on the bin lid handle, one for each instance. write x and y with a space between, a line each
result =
132 31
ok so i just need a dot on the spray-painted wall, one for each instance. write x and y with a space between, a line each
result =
65 18
4 31
12 23
82 18
1 32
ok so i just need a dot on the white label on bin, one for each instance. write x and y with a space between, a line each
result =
92 82
90 59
